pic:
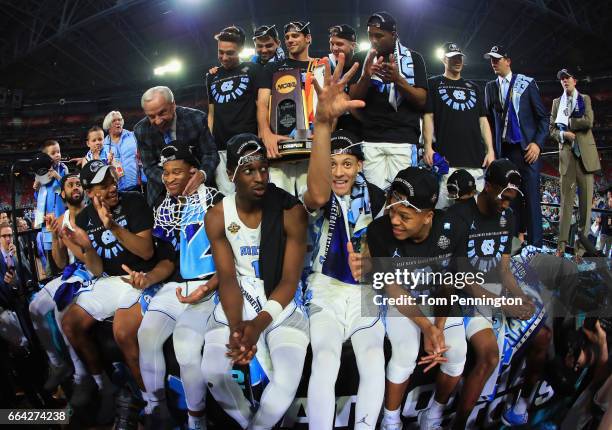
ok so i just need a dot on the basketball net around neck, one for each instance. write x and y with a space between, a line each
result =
177 213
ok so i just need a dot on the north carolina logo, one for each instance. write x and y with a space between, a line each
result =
233 228
285 84
457 98
452 47
227 86
488 247
229 89
459 95
494 49
96 165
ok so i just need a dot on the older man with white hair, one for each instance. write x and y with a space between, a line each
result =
166 122
122 144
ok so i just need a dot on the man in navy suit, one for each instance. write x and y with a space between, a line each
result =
519 121
166 122
8 262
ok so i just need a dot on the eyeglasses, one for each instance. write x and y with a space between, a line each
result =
296 26
402 202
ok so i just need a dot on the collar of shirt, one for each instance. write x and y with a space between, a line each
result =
109 141
5 254
173 126
501 79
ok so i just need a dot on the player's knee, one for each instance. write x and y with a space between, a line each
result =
456 359
124 336
488 359
35 307
402 362
325 361
72 324
186 353
149 339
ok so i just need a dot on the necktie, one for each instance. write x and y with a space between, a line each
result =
504 90
167 137
575 147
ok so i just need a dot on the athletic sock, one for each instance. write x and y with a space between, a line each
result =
436 409
520 407
102 381
390 417
195 422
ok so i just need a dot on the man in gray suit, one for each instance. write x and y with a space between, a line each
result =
571 121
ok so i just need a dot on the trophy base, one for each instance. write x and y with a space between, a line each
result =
294 150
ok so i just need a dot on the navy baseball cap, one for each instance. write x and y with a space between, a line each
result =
265 31
93 173
232 32
419 186
382 20
565 73
244 148
460 183
497 51
298 27
178 151
345 142
343 31
451 49
504 173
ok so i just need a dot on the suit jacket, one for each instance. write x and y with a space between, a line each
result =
191 128
7 295
582 127
532 115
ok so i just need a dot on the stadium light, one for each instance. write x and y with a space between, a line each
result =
440 53
246 53
173 66
364 46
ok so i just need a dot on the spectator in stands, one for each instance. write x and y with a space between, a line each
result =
95 137
164 123
455 114
121 143
571 121
4 218
8 275
519 124
606 228
49 205
395 91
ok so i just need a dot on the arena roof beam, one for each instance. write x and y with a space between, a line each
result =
581 22
476 21
55 34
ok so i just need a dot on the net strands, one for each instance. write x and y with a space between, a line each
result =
177 213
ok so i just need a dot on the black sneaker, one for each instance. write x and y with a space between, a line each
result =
127 410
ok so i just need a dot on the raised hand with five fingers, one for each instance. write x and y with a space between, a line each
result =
332 100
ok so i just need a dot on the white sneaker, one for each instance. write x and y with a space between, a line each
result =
426 423
391 426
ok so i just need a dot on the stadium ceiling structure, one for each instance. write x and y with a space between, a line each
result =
49 47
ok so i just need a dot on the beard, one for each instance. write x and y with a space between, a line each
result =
75 201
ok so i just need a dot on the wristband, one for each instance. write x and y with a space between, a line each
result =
273 308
